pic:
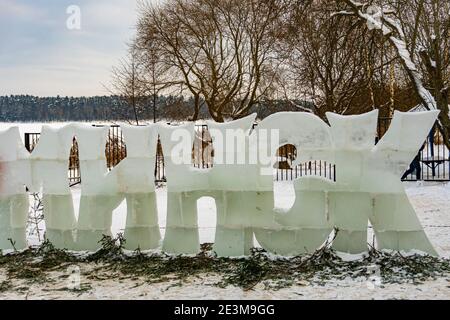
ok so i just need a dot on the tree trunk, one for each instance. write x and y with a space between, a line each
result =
136 117
219 118
441 96
444 122
429 101
196 109
154 106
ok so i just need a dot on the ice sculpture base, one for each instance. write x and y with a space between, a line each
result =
61 238
142 238
89 240
13 238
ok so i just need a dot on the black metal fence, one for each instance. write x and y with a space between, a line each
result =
431 164
202 152
286 171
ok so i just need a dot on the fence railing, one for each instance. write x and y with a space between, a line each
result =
431 164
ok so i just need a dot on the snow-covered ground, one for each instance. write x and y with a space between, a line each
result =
432 204
431 201
203 289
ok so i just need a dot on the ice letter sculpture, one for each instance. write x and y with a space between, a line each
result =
367 187
306 226
14 175
368 184
233 186
49 162
103 191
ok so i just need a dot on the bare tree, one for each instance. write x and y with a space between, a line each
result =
156 76
127 82
418 31
333 61
222 50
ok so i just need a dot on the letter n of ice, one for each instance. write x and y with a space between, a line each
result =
103 191
14 175
49 165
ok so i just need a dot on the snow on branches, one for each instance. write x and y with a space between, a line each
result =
377 18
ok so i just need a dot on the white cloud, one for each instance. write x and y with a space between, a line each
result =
12 8
55 60
51 81
110 14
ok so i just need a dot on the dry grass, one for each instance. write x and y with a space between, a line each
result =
34 264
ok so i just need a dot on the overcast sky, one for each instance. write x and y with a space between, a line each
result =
39 55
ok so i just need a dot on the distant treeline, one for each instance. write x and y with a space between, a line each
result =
26 108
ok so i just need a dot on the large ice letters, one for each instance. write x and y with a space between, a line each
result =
131 180
14 175
367 189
